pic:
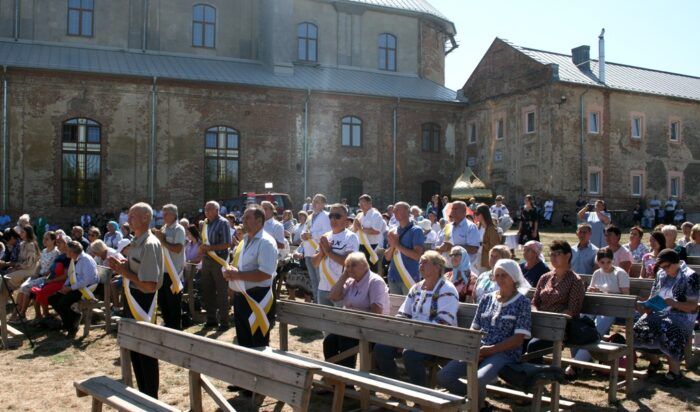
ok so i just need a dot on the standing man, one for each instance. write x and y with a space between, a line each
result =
369 226
250 276
80 282
499 209
331 253
216 239
405 250
172 238
462 232
316 226
143 276
308 206
584 252
272 226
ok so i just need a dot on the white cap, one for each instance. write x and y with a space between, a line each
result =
122 244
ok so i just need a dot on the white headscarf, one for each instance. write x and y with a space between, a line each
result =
537 246
512 268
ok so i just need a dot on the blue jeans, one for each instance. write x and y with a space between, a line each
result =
314 275
398 288
449 375
413 361
602 325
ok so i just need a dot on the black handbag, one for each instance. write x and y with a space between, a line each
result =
581 331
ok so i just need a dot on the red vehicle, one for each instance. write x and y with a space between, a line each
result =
282 200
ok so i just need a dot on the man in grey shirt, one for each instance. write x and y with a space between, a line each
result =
172 238
144 272
214 287
583 257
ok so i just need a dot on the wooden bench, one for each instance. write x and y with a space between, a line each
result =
103 307
693 260
445 341
272 374
11 337
545 325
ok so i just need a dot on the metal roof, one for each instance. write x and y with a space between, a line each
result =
619 76
228 71
415 6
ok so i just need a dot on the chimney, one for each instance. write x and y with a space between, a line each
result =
581 57
601 57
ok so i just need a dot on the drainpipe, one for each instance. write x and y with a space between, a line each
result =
393 139
152 154
5 157
306 137
582 140
144 37
15 33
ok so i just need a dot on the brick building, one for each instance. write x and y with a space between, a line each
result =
553 125
105 102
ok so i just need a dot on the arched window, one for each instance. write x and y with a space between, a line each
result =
431 137
80 21
307 42
351 131
221 155
81 159
203 26
428 189
351 189
387 52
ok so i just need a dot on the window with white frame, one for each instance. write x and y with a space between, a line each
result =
637 184
595 181
637 127
594 122
500 128
530 122
675 131
472 133
674 186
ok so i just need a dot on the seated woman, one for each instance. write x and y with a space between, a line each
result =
27 260
461 275
55 279
692 248
486 283
113 235
505 318
48 255
433 300
558 291
607 279
657 243
357 288
534 265
668 329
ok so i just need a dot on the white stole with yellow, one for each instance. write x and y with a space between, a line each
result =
397 260
364 241
175 280
85 292
324 264
259 310
309 245
447 232
211 253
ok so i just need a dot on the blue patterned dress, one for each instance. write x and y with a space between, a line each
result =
500 321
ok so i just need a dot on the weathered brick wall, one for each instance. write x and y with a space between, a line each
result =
432 53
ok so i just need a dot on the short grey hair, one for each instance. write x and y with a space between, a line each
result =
669 230
357 257
97 247
267 205
212 203
170 208
144 207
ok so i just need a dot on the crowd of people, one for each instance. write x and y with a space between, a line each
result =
448 253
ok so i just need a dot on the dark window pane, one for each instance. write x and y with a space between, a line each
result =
74 22
211 138
232 142
69 166
209 14
87 24
209 35
197 34
199 13
92 169
70 133
93 134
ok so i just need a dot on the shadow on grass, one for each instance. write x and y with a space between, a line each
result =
306 335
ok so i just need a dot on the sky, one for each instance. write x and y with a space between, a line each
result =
662 35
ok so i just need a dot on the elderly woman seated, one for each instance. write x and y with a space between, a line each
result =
504 317
669 314
461 275
357 288
486 283
434 300
533 267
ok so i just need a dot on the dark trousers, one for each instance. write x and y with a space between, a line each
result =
214 291
61 304
335 345
145 367
241 312
372 266
170 304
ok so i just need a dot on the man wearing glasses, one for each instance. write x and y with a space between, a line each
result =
332 249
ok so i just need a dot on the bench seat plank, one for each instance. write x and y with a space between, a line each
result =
120 396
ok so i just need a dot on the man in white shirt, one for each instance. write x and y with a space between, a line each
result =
272 226
317 225
371 223
308 206
172 239
331 253
499 209
460 233
392 219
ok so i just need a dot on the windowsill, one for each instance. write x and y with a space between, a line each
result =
307 63
204 47
636 138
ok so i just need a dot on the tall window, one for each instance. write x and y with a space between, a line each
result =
351 130
637 183
472 133
431 137
80 17
203 26
500 128
530 122
221 163
637 127
81 163
387 52
674 132
593 122
595 181
350 189
675 184
307 42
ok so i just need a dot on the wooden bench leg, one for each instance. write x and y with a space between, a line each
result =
536 405
612 392
127 377
87 320
365 364
338 396
195 391
473 386
3 318
96 405
556 361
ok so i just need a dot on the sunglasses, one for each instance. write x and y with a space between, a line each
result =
336 216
